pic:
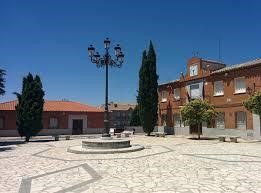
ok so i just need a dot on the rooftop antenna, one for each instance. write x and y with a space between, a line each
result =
195 53
219 51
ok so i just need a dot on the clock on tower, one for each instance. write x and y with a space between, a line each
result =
193 70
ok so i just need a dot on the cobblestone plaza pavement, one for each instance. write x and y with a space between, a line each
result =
168 164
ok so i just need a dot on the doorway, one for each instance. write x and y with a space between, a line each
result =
77 126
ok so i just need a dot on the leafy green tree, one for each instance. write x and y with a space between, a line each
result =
135 117
2 82
147 95
253 104
30 107
197 111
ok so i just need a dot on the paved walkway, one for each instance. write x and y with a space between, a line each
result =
166 165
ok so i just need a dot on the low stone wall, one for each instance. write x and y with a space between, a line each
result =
43 132
55 132
138 129
214 132
9 133
181 131
164 129
93 131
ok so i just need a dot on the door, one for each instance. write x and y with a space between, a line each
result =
77 126
241 120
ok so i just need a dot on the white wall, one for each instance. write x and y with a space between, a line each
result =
256 126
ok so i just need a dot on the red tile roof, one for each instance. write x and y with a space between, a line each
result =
55 106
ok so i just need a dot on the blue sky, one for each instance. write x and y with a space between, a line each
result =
50 38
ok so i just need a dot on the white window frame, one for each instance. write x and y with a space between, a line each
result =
238 91
194 97
164 98
176 93
53 126
216 84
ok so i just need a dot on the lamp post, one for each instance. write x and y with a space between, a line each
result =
106 61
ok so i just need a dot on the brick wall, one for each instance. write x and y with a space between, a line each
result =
95 120
230 103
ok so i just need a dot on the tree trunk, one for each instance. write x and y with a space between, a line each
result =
198 131
27 138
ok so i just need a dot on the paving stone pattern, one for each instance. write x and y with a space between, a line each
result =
168 164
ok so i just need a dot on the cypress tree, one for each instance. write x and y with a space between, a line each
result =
30 107
135 117
153 80
147 95
2 81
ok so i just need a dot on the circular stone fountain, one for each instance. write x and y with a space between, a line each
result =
103 146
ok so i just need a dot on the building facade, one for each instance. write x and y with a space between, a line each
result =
120 115
59 117
225 87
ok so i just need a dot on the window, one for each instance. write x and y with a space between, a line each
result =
241 120
2 122
194 91
218 88
177 120
176 93
240 85
193 70
220 120
164 96
53 123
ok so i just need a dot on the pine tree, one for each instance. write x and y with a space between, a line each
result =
147 95
30 107
2 81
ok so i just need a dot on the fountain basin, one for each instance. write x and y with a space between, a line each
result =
105 144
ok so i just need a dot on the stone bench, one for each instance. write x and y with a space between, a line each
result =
118 135
159 134
56 137
232 138
126 133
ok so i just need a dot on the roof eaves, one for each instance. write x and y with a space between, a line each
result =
170 82
238 66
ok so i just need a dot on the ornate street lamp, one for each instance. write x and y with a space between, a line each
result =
106 61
